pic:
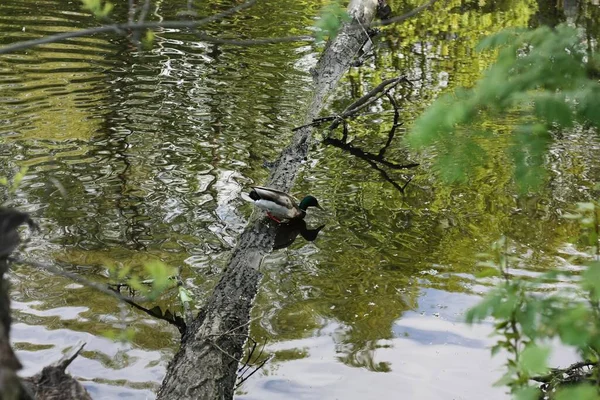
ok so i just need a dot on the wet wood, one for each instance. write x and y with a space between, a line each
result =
10 386
52 382
205 367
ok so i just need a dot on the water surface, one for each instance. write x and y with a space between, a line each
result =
153 149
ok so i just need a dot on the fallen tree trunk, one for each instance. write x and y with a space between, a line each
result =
206 364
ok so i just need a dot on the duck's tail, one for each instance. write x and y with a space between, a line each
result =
251 197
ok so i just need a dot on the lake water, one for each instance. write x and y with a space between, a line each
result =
152 149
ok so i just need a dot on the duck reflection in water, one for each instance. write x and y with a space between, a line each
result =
287 233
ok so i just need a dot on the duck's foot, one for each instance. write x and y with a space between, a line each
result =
273 218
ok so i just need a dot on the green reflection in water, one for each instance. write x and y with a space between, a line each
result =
154 149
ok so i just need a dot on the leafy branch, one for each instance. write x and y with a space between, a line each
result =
526 319
542 73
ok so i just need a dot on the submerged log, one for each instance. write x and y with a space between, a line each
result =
206 364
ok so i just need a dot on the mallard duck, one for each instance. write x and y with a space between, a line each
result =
280 205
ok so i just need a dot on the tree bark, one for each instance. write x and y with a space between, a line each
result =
206 364
10 385
52 382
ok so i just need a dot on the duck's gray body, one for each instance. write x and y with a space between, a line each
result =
279 204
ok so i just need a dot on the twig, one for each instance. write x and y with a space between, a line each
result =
144 11
395 125
247 365
383 88
253 372
176 321
367 156
214 343
179 323
247 362
123 27
77 278
357 105
193 24
238 327
557 372
372 160
403 17
255 42
64 362
132 11
345 132
315 122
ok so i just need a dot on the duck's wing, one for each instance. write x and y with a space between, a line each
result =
276 196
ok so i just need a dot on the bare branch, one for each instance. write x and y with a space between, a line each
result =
395 125
131 13
367 99
560 373
144 11
79 279
403 17
256 42
140 25
135 26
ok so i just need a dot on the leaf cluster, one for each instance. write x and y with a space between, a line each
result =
543 74
330 21
525 319
100 8
161 278
13 184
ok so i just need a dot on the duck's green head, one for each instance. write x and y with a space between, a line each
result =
309 201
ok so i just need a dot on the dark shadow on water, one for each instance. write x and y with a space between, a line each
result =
373 161
287 233
376 161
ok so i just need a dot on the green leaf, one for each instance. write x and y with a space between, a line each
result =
526 317
18 179
161 276
527 393
135 284
501 325
578 392
502 38
590 279
506 379
97 8
572 325
553 109
488 272
330 22
184 295
496 348
485 307
530 145
108 7
534 359
148 39
123 272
